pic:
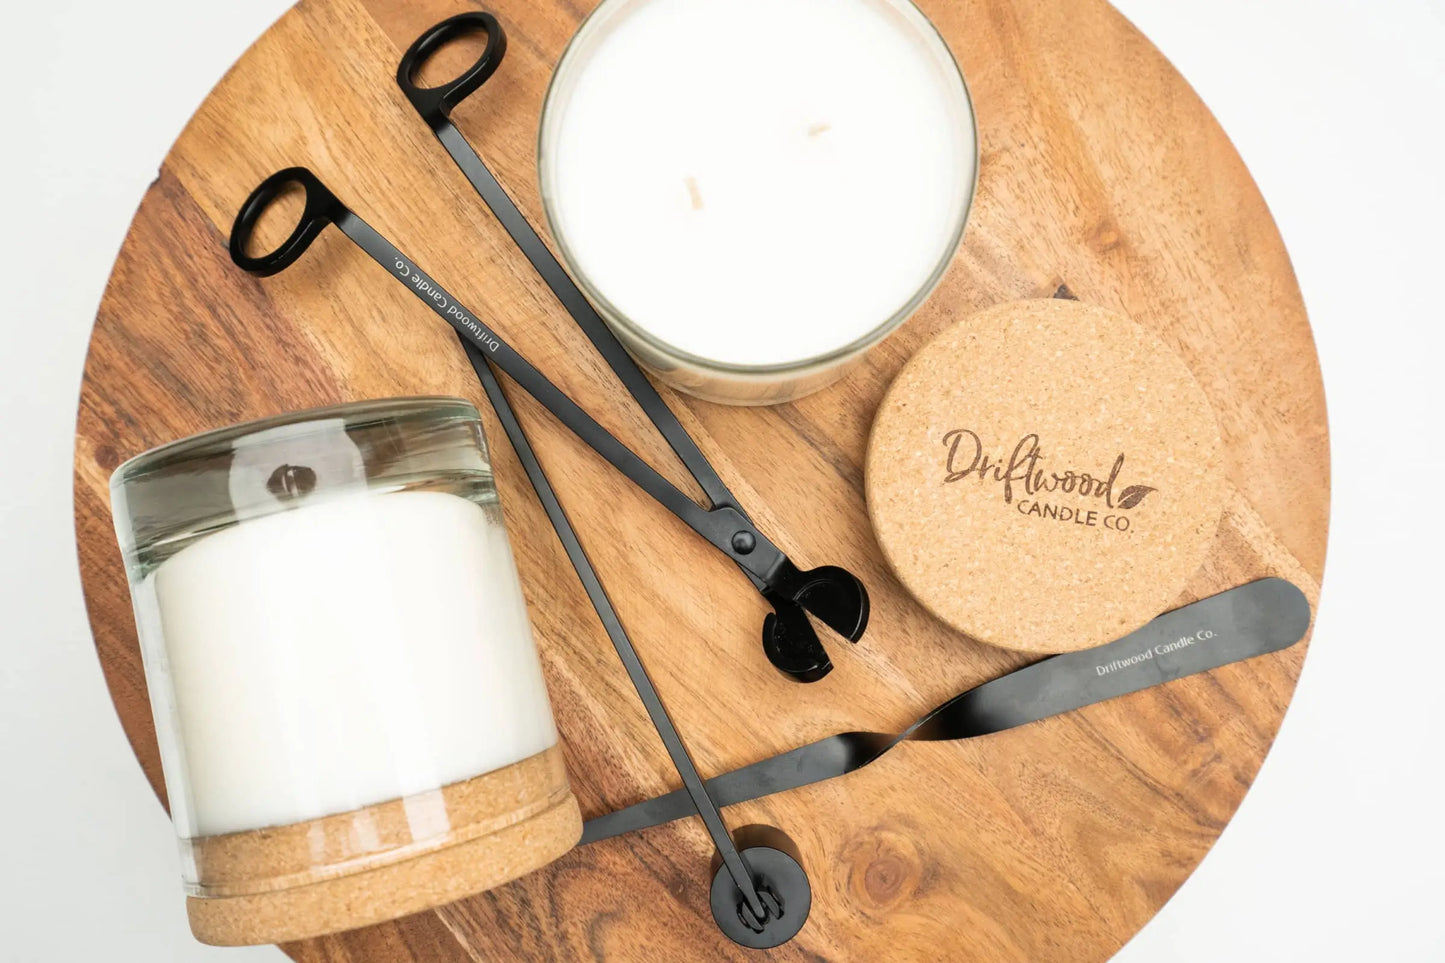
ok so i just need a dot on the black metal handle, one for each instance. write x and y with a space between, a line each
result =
435 103
322 208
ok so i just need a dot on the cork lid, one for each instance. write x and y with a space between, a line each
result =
1045 476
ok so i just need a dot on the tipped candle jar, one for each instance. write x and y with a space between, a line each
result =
350 709
755 193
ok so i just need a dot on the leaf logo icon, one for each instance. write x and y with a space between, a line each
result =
1133 495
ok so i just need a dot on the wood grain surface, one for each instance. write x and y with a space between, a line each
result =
1101 170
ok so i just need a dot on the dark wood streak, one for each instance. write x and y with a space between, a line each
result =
847 467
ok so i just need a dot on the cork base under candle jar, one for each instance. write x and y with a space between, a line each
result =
1045 476
374 864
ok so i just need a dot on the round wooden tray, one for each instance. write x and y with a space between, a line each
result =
1101 171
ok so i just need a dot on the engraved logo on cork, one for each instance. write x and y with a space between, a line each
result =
1098 498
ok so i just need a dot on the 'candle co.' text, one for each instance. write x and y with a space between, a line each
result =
1021 472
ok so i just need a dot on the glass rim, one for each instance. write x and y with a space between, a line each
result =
357 414
667 349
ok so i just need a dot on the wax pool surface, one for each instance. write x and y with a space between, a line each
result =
761 181
326 658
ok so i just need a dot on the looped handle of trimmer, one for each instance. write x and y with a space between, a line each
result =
436 103
322 208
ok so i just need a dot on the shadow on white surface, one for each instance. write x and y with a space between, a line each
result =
91 872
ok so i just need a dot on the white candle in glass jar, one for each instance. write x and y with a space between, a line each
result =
748 186
350 709
365 648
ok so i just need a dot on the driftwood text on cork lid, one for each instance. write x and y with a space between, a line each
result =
1045 475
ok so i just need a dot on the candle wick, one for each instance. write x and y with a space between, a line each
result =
821 128
291 481
695 193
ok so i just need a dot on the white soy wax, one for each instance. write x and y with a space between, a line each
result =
757 183
365 648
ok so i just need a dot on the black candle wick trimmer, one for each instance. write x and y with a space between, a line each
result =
831 594
760 893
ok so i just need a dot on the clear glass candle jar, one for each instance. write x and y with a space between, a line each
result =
755 193
351 713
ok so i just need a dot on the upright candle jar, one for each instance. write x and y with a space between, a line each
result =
351 713
754 193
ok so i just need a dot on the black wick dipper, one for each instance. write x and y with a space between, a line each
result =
830 593
760 894
1241 623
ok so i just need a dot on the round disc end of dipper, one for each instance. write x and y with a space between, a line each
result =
781 882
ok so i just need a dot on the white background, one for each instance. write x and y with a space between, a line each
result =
1336 105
